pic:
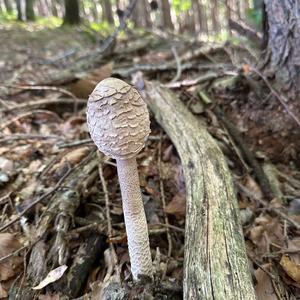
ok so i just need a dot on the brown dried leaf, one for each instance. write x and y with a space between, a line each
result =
264 288
266 230
3 292
290 267
177 206
252 185
71 158
83 87
75 156
9 267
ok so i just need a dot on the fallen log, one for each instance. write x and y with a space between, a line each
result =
216 265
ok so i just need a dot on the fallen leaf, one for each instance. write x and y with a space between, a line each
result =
252 186
177 206
9 267
266 230
3 292
290 267
52 276
264 288
75 156
83 87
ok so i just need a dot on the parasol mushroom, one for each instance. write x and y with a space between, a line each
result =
118 122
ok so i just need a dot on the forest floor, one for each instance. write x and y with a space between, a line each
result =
60 200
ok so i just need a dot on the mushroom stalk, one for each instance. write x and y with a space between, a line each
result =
135 218
119 124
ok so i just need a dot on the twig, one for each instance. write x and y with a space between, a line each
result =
247 154
46 88
46 195
168 226
40 104
113 254
21 136
198 80
14 253
266 205
263 268
178 65
163 200
281 98
109 42
75 144
28 114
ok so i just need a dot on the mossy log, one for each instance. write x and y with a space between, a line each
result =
216 265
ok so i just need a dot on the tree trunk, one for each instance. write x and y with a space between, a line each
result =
19 4
203 20
140 14
53 6
214 16
8 6
284 43
228 15
107 11
29 10
236 4
71 12
215 261
166 9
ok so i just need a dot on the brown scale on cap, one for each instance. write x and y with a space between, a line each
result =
118 119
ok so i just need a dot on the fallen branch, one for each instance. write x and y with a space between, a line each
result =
216 265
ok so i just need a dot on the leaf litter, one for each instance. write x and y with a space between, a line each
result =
48 159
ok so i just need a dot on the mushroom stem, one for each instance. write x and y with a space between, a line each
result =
135 218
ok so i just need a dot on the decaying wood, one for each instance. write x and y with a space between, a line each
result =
216 265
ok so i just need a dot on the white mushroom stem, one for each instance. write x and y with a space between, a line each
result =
135 218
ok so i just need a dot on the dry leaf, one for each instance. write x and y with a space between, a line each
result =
83 87
3 292
177 206
9 267
252 186
264 288
266 230
70 158
75 156
291 268
52 276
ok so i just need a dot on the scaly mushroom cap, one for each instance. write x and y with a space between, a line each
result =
117 118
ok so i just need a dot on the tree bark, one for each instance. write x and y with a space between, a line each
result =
107 11
140 14
8 6
166 9
284 43
29 10
19 4
215 263
71 12
228 15
214 16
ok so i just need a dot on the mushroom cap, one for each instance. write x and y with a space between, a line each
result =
118 119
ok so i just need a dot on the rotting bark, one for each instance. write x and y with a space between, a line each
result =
216 265
284 42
